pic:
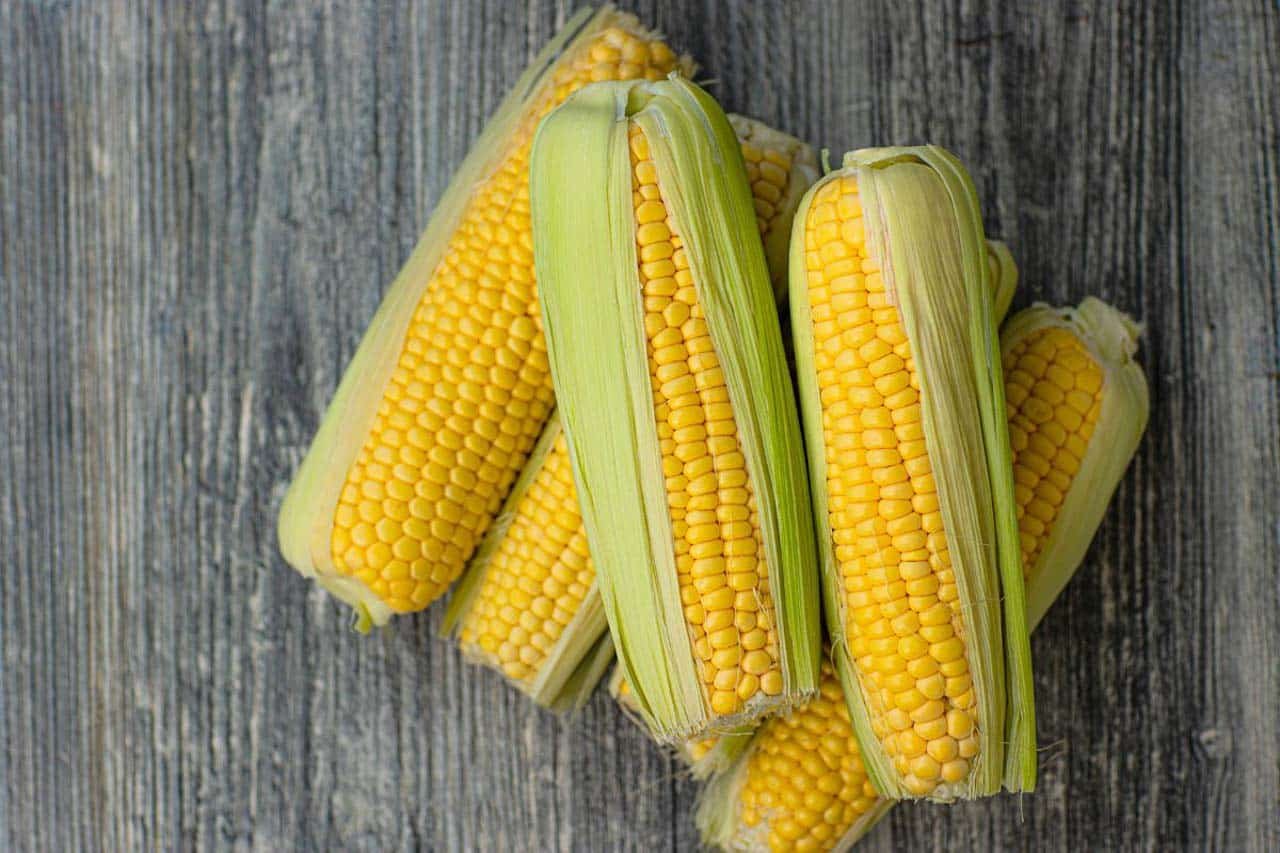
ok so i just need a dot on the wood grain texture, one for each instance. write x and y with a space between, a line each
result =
200 205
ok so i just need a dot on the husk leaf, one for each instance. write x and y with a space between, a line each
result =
1112 339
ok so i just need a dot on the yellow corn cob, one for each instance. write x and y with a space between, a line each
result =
799 784
673 392
1069 374
909 458
802 784
450 386
527 605
712 754
703 755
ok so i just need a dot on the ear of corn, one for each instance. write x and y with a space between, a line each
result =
449 388
893 324
528 605
1069 375
801 783
669 373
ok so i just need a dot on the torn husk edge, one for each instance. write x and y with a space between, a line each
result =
703 756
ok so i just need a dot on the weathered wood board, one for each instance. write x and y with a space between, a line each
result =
200 206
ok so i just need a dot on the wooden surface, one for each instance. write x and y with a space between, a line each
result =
200 205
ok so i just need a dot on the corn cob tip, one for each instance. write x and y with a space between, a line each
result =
780 169
704 756
1114 332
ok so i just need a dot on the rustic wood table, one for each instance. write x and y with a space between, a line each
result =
200 206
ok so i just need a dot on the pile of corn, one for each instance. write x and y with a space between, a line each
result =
816 557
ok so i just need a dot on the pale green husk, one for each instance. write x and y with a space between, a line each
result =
585 254
305 525
1004 278
1111 337
582 683
923 224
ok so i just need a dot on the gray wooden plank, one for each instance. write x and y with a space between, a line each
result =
199 209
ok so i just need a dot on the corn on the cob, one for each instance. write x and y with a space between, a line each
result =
450 388
672 386
711 754
528 605
801 783
1069 375
895 344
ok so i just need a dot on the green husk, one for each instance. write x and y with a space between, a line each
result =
305 525
1111 337
1004 278
924 225
582 683
585 254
